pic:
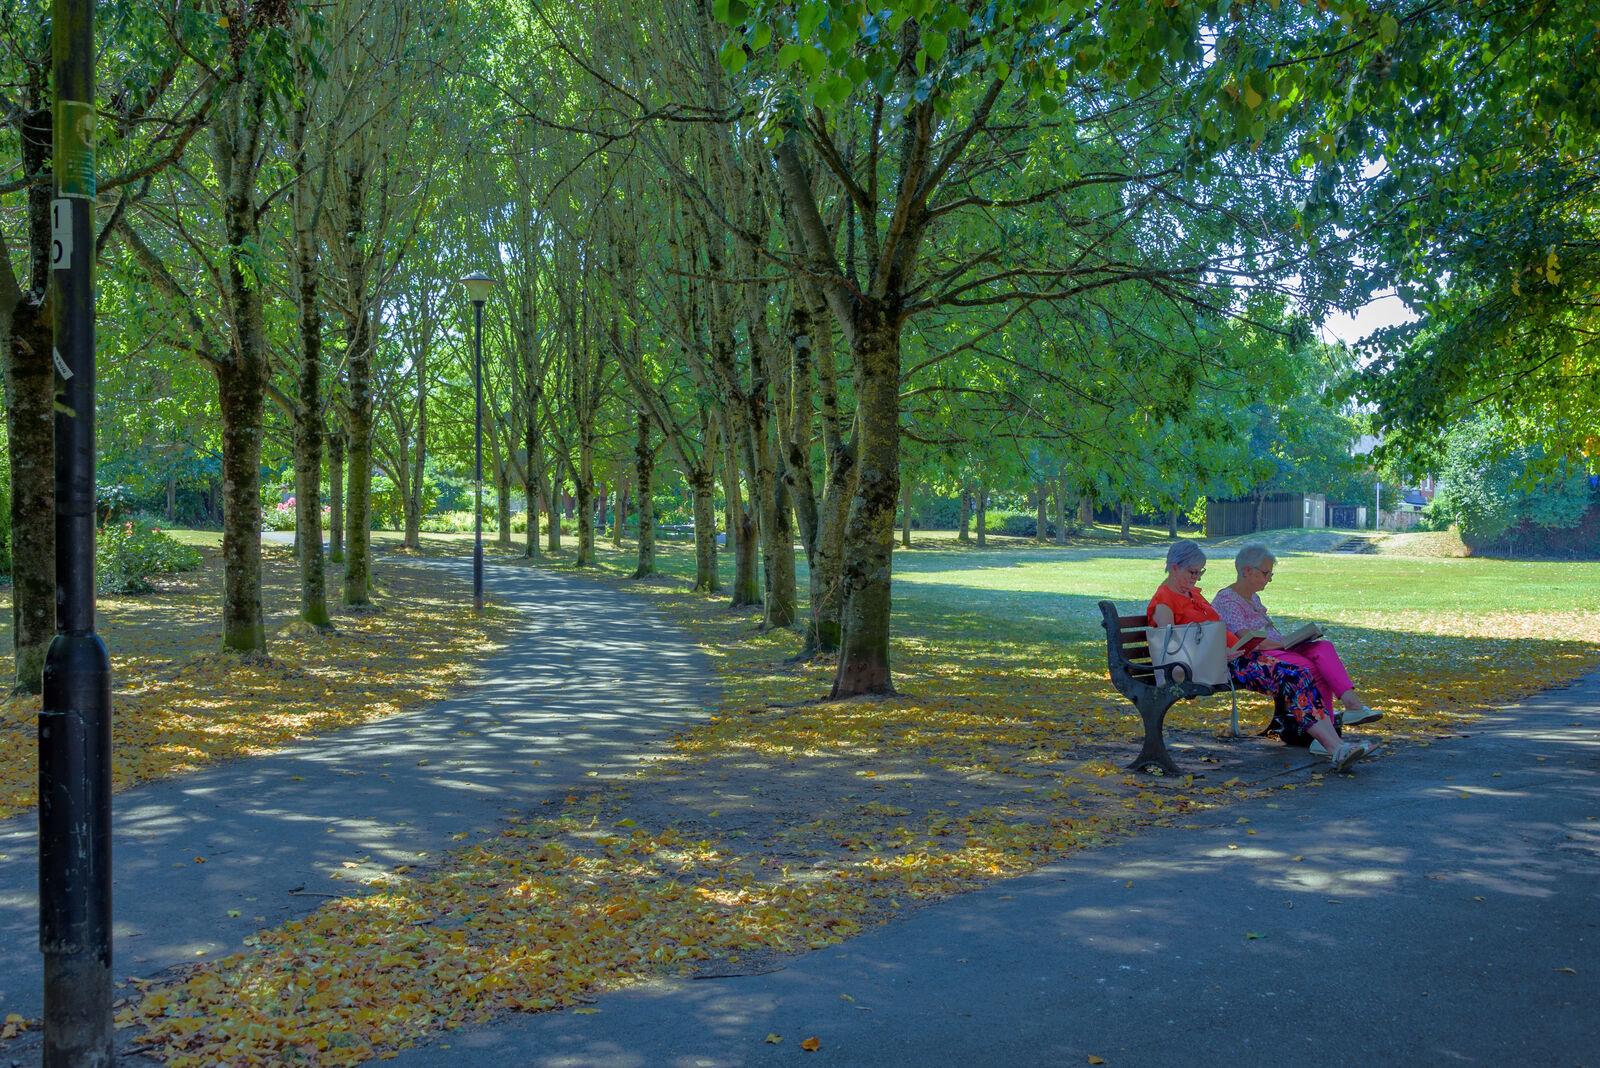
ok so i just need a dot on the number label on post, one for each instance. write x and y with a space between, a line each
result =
61 233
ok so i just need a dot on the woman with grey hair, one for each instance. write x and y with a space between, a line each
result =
1178 600
1241 609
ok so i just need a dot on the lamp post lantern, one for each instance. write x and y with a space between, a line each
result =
478 286
75 715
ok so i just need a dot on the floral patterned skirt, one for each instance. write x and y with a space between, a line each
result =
1263 674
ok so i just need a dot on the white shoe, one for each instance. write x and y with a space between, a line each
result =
1318 749
1349 753
1364 714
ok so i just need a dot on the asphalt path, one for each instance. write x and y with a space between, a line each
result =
1440 906
590 680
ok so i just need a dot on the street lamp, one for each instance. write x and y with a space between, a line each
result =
75 715
478 286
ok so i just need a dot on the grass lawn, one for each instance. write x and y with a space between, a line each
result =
783 822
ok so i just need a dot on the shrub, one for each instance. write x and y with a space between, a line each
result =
936 513
128 553
278 517
1022 525
450 522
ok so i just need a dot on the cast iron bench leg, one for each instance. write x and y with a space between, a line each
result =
1153 711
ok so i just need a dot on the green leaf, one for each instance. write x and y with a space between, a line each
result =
788 55
935 44
733 57
1388 29
812 60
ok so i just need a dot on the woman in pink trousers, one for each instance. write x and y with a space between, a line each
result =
1241 610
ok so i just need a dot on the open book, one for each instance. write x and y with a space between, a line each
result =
1250 639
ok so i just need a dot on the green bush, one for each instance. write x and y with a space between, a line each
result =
1022 525
129 552
278 516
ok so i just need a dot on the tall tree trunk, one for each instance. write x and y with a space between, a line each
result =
502 481
243 624
530 487
1172 525
769 488
358 505
585 493
706 579
308 413
742 520
172 498
777 556
308 468
30 432
1041 522
621 515
644 463
553 532
30 383
827 567
1061 511
417 488
869 531
242 377
1122 513
905 513
1086 510
410 517
983 515
966 515
336 495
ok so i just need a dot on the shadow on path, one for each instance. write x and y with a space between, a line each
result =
592 677
1441 906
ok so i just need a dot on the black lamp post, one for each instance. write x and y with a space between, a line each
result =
75 717
478 287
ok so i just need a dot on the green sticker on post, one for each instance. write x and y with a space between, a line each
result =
74 160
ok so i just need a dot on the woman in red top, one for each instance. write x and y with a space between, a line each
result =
1178 600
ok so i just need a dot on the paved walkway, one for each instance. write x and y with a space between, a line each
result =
591 679
1440 907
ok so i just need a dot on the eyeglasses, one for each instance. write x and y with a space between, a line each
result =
1266 572
1195 572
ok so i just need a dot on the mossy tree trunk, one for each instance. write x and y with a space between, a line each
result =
336 441
869 530
30 381
905 513
30 434
644 466
307 409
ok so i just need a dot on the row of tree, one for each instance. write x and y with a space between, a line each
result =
778 250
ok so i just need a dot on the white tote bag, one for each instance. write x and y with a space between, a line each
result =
1191 652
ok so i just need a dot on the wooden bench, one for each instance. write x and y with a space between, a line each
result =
1133 674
